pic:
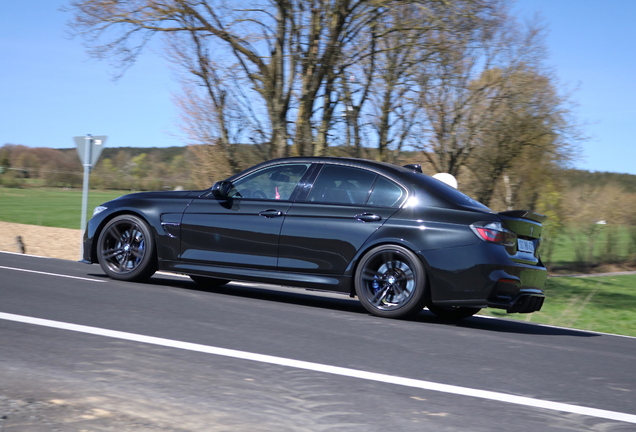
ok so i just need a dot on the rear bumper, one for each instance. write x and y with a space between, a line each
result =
483 276
510 294
527 303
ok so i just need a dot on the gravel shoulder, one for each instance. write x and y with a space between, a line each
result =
63 243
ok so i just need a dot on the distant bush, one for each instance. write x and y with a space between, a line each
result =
12 179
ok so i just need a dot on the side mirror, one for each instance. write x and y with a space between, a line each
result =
222 189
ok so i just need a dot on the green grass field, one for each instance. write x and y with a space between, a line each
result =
593 244
49 207
604 304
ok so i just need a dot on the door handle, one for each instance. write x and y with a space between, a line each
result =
271 213
368 217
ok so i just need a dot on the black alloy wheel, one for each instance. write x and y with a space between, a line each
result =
390 282
126 249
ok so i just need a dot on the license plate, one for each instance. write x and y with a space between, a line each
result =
525 246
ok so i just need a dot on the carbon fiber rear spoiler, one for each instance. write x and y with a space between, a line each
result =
525 214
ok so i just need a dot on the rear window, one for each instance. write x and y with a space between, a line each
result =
386 194
442 192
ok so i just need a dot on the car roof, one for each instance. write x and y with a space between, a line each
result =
439 193
341 160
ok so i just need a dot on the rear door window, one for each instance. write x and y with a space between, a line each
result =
339 184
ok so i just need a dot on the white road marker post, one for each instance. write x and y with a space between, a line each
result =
89 149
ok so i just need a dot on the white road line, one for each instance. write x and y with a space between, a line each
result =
24 255
334 370
51 274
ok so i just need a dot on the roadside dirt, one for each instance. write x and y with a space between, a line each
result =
55 415
49 242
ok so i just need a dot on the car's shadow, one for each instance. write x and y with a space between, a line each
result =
342 302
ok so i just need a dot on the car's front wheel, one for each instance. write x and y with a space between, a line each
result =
390 282
126 249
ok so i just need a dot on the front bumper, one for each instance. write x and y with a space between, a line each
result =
88 251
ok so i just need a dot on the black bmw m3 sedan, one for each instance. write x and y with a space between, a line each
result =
397 239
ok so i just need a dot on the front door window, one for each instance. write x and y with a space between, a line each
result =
271 183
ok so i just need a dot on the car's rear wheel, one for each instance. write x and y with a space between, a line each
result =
453 313
208 281
126 249
390 282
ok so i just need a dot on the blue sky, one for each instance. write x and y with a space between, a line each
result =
51 91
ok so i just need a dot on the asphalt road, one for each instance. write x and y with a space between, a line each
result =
80 352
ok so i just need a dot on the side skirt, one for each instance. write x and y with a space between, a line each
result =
301 280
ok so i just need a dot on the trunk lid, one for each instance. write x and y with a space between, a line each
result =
527 225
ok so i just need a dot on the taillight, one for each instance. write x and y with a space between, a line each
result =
494 232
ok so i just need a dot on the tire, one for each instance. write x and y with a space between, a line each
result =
453 313
126 249
390 282
208 281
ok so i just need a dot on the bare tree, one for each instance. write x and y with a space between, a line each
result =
399 44
285 56
256 36
284 48
214 110
353 97
457 105
398 55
